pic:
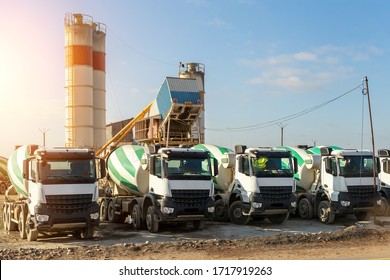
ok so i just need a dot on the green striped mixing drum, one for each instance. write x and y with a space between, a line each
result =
225 175
124 169
15 169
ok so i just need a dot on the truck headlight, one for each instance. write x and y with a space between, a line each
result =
257 204
345 203
167 210
42 218
211 209
94 216
294 204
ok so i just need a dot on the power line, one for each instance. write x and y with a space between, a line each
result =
283 119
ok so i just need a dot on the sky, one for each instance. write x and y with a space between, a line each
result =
270 66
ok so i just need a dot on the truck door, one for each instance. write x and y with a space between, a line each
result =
330 178
243 176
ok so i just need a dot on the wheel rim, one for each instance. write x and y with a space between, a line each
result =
303 209
381 209
110 211
103 211
136 217
5 218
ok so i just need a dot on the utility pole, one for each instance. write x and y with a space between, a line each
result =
366 92
44 135
282 126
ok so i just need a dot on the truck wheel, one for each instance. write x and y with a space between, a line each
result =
136 216
5 217
305 209
12 226
103 211
22 223
32 233
362 216
88 232
381 210
152 220
235 213
278 219
199 225
220 211
325 213
3 187
112 217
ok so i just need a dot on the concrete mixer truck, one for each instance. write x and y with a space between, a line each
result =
384 178
154 185
4 180
56 190
252 183
332 181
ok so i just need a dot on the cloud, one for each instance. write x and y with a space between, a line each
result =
217 23
307 70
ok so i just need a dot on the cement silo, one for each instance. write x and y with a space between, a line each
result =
193 70
85 119
99 85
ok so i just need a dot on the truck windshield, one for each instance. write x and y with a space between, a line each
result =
356 166
266 166
67 171
188 168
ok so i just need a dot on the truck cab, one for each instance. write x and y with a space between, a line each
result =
180 187
384 178
62 191
263 184
346 184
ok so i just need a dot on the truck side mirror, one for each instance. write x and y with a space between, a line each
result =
215 167
26 169
328 165
102 168
295 162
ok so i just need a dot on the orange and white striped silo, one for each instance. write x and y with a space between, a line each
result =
85 82
99 85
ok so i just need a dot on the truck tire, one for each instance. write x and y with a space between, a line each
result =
88 232
325 213
220 211
32 233
12 226
5 217
152 220
3 187
278 218
235 213
382 210
103 211
305 209
112 217
22 223
199 225
362 216
136 216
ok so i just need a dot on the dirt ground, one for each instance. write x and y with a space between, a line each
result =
352 242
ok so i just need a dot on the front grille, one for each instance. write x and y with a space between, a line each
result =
68 204
361 193
190 198
276 193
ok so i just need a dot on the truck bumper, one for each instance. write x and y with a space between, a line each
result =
45 219
348 203
172 211
260 205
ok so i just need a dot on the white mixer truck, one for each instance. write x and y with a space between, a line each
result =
4 180
162 185
384 179
332 181
56 190
252 183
